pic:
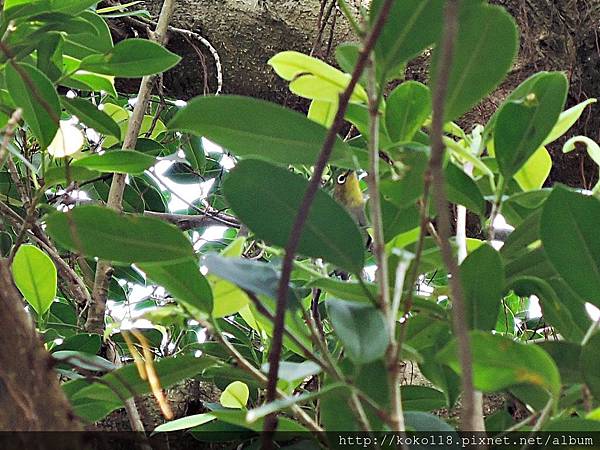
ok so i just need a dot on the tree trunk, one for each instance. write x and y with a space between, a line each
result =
555 35
31 398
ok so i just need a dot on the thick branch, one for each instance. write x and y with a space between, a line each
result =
31 398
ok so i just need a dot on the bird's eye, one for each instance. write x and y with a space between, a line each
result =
341 179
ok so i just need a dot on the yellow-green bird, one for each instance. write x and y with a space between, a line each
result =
347 192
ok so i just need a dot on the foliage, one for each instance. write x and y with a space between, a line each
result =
59 66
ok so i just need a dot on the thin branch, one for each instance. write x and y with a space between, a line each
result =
95 319
9 132
470 414
294 239
191 221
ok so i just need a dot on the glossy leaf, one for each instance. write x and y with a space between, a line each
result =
184 282
255 128
535 171
185 422
266 198
254 276
101 232
591 146
361 328
556 309
312 78
89 114
293 371
500 362
35 276
483 30
422 398
407 108
421 421
235 395
32 91
132 58
567 119
68 141
482 276
463 190
119 161
523 125
569 232
411 27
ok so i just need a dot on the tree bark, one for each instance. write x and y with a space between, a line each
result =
31 398
555 35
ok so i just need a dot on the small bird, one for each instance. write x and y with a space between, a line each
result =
347 192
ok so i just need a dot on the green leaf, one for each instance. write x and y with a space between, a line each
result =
397 220
422 398
83 360
482 276
235 395
411 27
421 421
312 78
463 190
267 198
556 310
184 282
89 114
255 128
94 401
238 417
193 148
523 125
361 328
484 30
35 276
590 365
96 40
571 424
407 108
31 90
535 171
101 232
592 147
185 422
404 191
569 232
567 119
59 175
292 371
22 8
567 356
119 161
132 58
254 276
499 362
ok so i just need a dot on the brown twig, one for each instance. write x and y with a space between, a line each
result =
469 411
95 319
9 132
294 239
